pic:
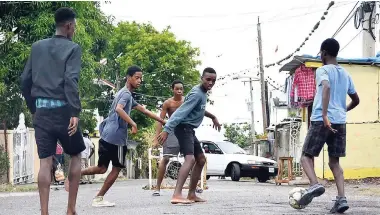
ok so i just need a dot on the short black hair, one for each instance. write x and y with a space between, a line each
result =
132 70
64 14
208 70
331 46
176 82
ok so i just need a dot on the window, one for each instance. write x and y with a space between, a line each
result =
211 148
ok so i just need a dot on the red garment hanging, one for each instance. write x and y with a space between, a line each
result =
304 83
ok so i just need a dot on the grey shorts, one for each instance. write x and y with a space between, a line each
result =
171 146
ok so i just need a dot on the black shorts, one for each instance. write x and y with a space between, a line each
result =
109 152
188 142
51 126
318 135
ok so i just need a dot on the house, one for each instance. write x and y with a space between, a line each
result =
363 127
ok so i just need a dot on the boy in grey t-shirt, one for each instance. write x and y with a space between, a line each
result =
113 134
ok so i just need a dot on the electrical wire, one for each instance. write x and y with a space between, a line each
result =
351 40
227 15
306 39
345 21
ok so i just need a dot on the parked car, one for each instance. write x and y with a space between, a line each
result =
228 159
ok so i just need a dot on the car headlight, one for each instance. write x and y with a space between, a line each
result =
275 164
254 162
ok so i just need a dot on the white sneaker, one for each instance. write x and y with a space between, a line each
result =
98 201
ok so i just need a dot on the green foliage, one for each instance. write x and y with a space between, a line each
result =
160 54
162 57
4 161
87 121
239 134
23 23
145 138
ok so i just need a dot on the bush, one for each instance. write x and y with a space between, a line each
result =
4 162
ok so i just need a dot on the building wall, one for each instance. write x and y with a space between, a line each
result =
363 134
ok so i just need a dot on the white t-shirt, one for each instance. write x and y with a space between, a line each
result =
86 153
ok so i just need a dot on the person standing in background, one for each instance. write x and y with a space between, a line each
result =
85 155
59 155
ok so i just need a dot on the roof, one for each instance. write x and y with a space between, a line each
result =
298 60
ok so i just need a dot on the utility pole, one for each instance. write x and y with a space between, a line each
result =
253 118
262 81
251 109
369 43
118 72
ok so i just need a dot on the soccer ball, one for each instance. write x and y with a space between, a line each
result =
294 196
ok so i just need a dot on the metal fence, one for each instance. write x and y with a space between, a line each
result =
23 162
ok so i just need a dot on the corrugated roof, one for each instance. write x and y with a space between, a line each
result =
298 60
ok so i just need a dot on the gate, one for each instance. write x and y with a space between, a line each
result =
23 163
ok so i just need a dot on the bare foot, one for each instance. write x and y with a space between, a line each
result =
196 199
180 200
67 184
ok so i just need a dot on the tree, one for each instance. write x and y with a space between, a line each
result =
239 134
162 58
23 23
87 121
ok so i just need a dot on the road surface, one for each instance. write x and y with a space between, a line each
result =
224 197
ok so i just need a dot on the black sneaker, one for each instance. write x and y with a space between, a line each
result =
312 192
340 205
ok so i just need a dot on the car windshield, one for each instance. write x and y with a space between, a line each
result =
230 148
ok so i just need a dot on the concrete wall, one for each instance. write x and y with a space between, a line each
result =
35 154
10 152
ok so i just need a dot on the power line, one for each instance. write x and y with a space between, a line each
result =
306 39
351 40
346 20
222 15
268 21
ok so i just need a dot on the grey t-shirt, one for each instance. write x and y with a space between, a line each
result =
114 129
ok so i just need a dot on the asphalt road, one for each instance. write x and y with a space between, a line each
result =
224 197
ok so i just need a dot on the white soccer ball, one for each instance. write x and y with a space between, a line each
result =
294 197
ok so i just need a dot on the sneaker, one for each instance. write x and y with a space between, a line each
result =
98 201
156 193
340 205
198 190
312 192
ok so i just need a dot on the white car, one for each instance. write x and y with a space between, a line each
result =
228 159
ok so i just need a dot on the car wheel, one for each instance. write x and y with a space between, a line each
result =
235 172
263 179
208 177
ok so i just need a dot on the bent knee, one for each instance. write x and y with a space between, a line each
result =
201 161
102 169
190 158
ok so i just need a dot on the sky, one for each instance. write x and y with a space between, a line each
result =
226 34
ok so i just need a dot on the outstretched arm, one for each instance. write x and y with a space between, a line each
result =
209 115
125 98
216 125
162 116
150 114
190 102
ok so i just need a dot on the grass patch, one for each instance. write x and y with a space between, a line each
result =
18 188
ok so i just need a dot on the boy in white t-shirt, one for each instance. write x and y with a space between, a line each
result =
86 154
